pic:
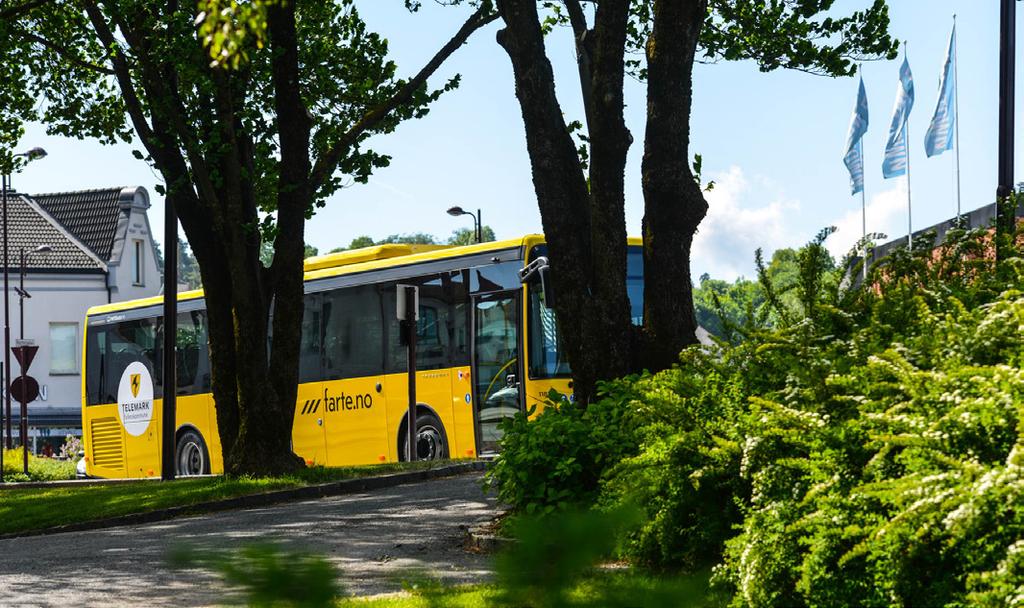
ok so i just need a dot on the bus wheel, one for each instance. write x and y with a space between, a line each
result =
190 456
431 442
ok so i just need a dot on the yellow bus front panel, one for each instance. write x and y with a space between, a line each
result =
538 393
103 437
143 451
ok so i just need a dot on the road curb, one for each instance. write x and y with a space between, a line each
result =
334 488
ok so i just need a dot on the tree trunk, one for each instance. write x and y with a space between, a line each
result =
586 239
609 144
673 202
194 121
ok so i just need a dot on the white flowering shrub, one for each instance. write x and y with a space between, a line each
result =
864 449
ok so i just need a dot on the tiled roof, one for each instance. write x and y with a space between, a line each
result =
28 228
91 216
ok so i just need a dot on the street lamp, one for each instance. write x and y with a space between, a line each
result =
478 233
22 294
29 156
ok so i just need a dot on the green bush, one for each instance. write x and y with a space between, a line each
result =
39 468
863 448
558 459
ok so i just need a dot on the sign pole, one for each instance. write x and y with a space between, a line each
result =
10 434
27 389
24 420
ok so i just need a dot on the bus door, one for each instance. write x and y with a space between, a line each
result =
496 364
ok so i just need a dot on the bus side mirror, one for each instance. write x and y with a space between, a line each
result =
540 270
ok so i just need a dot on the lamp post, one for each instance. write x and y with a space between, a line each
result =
1005 218
20 290
477 225
29 156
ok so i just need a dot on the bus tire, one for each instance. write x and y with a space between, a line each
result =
190 455
431 439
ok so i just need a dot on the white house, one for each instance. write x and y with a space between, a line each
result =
101 250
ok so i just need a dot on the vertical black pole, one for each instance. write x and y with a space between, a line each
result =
170 333
7 328
21 297
24 412
410 325
1007 44
479 227
7 417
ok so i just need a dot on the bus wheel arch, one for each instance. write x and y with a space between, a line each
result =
191 455
431 436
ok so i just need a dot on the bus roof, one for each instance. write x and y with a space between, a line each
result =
360 260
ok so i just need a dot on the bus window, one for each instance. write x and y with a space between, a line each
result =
547 357
432 330
192 357
458 298
495 277
353 334
635 283
310 340
109 351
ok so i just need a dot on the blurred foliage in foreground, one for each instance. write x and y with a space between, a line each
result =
553 562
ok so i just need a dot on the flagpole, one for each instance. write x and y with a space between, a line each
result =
956 116
863 219
910 223
906 147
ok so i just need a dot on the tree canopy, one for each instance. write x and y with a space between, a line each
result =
581 189
249 144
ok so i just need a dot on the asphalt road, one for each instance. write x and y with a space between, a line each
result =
374 539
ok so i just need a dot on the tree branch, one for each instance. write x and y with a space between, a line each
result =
169 117
577 18
13 12
328 163
584 57
66 54
124 80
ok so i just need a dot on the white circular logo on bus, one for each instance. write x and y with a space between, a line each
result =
135 398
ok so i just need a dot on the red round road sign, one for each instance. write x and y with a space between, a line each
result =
27 392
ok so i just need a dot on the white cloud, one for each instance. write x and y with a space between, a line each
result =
726 239
886 213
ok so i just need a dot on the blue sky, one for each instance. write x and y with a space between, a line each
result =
772 142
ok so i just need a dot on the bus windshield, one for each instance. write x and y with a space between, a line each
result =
547 358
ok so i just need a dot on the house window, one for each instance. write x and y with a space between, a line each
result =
63 348
139 264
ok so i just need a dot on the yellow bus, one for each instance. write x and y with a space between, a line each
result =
486 348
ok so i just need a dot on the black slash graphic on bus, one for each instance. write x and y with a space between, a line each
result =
311 407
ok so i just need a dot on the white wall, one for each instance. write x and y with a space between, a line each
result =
55 298
122 274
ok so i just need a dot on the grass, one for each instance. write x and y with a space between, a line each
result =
39 469
619 588
29 509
